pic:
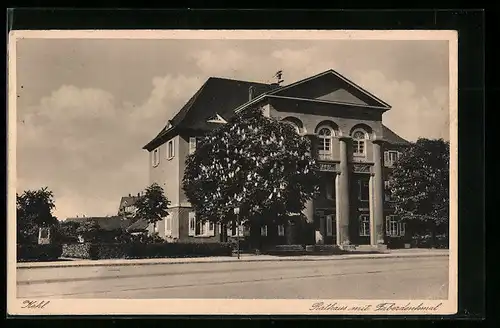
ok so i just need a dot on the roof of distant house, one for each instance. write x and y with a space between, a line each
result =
128 200
139 225
392 137
106 222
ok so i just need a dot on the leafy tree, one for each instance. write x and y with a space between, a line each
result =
67 231
152 205
256 163
420 184
34 210
89 230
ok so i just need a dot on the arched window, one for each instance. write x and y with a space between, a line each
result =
325 135
359 142
295 123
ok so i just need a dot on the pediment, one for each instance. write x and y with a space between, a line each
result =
216 119
330 86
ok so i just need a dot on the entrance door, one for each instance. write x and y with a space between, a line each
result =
359 224
328 225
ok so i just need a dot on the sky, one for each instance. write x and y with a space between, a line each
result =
85 108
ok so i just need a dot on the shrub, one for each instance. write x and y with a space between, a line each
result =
79 251
144 250
36 252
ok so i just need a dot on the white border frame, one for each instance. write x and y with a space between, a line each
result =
234 306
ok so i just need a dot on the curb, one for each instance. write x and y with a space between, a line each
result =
38 265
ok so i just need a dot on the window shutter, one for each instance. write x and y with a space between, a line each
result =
281 230
219 227
168 225
386 157
192 224
329 225
403 229
192 145
263 230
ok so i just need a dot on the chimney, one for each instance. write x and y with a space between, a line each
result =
250 93
130 195
138 194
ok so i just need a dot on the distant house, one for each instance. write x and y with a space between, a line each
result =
127 205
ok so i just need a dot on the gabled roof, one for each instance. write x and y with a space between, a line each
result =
374 101
225 97
286 92
216 96
139 225
392 138
128 200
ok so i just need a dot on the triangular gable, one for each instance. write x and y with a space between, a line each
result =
216 119
329 86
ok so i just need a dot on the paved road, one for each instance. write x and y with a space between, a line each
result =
397 278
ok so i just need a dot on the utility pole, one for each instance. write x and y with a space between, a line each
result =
237 213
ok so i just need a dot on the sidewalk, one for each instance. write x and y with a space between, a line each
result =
403 253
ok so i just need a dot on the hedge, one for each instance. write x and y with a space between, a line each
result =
145 250
36 252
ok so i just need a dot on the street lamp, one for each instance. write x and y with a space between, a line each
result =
237 213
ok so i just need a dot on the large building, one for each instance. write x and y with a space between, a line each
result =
355 151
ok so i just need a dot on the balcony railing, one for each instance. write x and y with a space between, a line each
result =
325 156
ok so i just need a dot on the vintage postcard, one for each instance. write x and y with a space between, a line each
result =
185 172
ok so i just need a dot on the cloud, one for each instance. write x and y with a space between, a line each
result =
297 64
85 145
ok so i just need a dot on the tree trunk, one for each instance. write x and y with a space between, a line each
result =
433 235
289 233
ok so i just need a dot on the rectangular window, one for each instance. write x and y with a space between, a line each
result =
329 225
391 157
192 145
192 224
263 230
168 226
364 225
394 227
155 157
364 190
281 230
170 149
233 230
359 147
211 228
201 228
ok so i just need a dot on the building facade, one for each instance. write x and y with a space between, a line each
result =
354 149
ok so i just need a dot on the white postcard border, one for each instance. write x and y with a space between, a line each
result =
17 306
